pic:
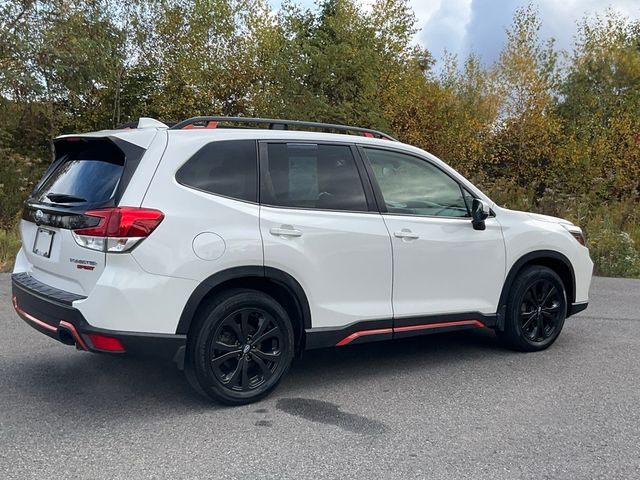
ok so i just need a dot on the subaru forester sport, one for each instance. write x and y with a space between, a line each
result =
231 250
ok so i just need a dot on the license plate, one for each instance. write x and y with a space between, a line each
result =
44 239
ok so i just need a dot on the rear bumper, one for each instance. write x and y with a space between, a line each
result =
51 311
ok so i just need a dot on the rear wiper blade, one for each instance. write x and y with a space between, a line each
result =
65 198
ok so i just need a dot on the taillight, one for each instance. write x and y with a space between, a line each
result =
118 229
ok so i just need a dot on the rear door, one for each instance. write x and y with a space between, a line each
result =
319 226
88 173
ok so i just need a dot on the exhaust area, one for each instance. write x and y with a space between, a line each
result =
65 336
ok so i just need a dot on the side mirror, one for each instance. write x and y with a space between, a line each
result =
479 213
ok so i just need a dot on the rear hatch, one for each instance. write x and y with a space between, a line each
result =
88 173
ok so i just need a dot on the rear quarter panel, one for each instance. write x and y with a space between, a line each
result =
189 213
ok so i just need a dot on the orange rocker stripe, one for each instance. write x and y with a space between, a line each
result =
426 326
362 333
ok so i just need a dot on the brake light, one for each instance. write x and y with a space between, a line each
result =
118 229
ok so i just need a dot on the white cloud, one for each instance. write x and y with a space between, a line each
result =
443 24
486 21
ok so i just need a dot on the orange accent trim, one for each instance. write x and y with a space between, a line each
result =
30 318
426 326
361 333
75 334
211 125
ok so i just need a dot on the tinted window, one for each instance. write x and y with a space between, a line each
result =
224 168
414 186
312 176
81 181
87 174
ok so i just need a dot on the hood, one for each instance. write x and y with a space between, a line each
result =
548 219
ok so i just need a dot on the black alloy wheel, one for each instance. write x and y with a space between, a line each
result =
536 310
540 311
240 347
245 349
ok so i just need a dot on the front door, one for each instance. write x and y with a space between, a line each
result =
442 267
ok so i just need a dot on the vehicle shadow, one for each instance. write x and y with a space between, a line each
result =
380 363
83 387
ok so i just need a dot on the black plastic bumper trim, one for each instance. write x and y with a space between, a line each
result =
577 308
36 287
49 314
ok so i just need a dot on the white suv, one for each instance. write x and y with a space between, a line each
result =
230 250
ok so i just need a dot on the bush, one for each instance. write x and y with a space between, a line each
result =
614 252
9 246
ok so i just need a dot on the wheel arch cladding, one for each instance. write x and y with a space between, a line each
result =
278 284
556 261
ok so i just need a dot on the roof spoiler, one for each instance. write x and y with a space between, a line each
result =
146 122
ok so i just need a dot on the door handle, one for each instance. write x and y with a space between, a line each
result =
406 234
285 231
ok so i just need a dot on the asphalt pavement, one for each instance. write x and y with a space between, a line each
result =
445 406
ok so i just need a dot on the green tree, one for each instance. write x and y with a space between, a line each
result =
524 147
600 103
337 63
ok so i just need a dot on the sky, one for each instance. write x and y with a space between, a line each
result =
465 26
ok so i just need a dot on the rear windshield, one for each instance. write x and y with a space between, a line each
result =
88 175
81 181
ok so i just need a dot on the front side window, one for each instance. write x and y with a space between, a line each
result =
303 175
415 187
227 168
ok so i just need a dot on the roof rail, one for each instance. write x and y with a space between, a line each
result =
276 124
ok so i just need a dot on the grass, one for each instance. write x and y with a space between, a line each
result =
9 246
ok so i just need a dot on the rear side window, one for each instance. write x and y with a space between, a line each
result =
228 168
302 175
85 175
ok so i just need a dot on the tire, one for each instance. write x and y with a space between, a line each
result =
536 310
240 347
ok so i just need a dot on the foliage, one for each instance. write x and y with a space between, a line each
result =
614 252
9 245
539 130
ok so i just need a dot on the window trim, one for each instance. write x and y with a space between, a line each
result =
378 191
263 171
256 200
